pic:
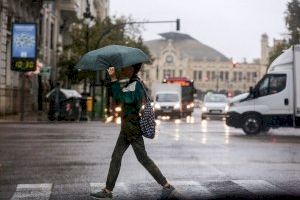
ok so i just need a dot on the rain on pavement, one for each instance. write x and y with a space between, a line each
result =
203 159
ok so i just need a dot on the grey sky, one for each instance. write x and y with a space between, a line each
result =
234 27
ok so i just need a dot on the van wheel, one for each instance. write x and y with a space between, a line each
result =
252 124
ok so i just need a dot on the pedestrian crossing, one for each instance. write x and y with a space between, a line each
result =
186 189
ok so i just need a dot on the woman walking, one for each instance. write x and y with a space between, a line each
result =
131 98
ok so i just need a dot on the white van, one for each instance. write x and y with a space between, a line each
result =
274 101
167 100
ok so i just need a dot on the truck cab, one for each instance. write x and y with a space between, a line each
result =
273 102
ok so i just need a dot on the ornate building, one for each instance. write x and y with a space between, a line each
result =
180 55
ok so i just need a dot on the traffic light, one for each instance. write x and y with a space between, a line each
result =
177 24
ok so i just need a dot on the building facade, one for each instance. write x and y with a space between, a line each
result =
54 20
180 55
15 11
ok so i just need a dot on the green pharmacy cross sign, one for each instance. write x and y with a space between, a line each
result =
23 51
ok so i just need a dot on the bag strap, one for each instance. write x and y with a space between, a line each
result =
145 91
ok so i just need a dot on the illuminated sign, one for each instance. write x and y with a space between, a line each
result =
23 51
181 83
23 64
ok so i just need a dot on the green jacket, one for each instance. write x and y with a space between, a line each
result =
131 99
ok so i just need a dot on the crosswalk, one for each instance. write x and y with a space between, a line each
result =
186 189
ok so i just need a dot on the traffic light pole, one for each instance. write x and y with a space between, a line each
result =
177 21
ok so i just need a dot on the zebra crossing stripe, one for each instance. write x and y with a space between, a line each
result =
192 188
260 187
33 191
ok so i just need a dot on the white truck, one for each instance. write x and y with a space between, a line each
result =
274 101
167 100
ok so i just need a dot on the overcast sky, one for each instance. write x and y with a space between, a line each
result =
233 27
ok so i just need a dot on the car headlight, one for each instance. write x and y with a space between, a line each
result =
156 106
118 109
177 106
226 108
204 109
191 105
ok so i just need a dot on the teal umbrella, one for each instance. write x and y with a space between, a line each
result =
113 55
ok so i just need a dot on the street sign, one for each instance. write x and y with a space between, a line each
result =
23 51
45 71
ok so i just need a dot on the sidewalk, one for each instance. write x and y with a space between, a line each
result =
33 117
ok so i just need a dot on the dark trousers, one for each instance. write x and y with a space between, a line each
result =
141 154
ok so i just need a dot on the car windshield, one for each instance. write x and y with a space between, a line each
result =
167 98
215 98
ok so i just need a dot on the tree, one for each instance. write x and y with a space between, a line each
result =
292 20
277 50
110 31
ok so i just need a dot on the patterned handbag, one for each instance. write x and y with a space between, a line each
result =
147 121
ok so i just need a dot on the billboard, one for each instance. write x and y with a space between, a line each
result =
24 43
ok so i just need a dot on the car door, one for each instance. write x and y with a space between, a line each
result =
273 95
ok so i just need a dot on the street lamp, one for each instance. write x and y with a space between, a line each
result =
88 19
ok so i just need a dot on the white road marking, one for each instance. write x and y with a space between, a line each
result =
33 191
260 187
190 189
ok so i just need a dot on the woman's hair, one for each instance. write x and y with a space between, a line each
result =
137 67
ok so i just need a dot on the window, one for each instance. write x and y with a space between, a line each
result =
234 76
277 83
221 75
215 98
226 76
248 76
180 73
213 75
254 76
263 88
169 73
208 75
240 76
52 36
272 84
167 97
195 75
200 75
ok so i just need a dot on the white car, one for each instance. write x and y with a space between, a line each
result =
214 105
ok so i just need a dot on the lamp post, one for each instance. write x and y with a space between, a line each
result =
88 17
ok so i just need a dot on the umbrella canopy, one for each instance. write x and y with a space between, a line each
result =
113 55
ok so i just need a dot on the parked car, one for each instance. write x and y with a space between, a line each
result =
214 105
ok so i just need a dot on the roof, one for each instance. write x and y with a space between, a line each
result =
187 46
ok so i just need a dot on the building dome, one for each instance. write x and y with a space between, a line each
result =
187 46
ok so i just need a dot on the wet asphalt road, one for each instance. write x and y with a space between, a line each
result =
203 159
